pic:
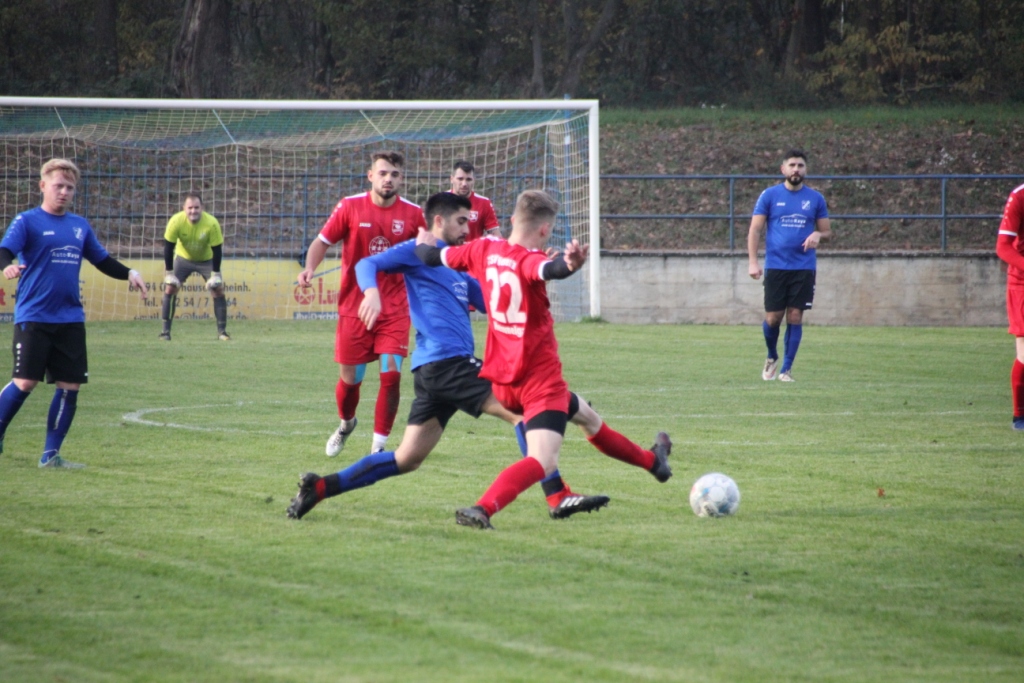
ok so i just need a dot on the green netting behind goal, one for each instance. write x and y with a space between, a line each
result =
272 177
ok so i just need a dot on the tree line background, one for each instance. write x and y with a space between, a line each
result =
753 53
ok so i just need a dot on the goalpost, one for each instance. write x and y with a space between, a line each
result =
272 172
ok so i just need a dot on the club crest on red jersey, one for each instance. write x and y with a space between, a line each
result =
378 244
474 215
397 227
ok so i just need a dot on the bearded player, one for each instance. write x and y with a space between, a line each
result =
482 219
368 223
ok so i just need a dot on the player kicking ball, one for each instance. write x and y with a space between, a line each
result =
521 359
445 372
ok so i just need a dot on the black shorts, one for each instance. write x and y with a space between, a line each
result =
788 289
445 386
51 351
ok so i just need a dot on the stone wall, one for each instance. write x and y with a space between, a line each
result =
895 288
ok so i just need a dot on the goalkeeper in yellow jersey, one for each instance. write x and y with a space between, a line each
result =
193 243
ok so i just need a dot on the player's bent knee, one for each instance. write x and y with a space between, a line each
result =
587 419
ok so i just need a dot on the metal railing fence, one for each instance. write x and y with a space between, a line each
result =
741 210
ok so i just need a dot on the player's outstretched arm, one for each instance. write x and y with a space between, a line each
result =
576 255
429 254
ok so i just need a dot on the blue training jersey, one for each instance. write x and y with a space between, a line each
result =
439 301
792 217
51 249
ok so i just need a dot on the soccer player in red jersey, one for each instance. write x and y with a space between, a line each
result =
368 223
482 219
1010 248
521 358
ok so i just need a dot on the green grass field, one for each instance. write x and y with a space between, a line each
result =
170 557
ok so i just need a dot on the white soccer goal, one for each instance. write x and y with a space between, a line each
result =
272 171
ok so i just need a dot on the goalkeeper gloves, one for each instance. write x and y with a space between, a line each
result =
215 281
169 279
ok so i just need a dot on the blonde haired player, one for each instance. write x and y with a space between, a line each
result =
49 320
521 359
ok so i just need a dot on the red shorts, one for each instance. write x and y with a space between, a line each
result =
537 392
1015 310
355 345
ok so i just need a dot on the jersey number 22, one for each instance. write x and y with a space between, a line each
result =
512 315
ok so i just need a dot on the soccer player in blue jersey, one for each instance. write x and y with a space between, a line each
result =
49 321
797 221
445 371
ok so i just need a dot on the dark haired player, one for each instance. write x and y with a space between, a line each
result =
1010 248
368 223
797 221
445 371
49 320
521 359
482 218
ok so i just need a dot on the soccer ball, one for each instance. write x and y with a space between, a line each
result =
714 495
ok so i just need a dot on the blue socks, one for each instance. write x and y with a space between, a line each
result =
369 470
520 430
11 400
792 341
58 422
771 339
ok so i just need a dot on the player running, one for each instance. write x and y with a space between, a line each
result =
193 243
1010 248
482 218
445 372
368 223
521 358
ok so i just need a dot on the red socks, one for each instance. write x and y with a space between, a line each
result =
386 410
615 445
347 398
1017 387
512 481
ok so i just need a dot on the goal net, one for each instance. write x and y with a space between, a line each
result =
272 172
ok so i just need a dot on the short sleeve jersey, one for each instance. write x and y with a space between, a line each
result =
481 217
1013 226
792 217
367 229
520 330
195 242
51 248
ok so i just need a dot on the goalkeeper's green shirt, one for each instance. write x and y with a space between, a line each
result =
194 242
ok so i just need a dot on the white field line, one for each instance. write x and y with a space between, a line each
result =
141 417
